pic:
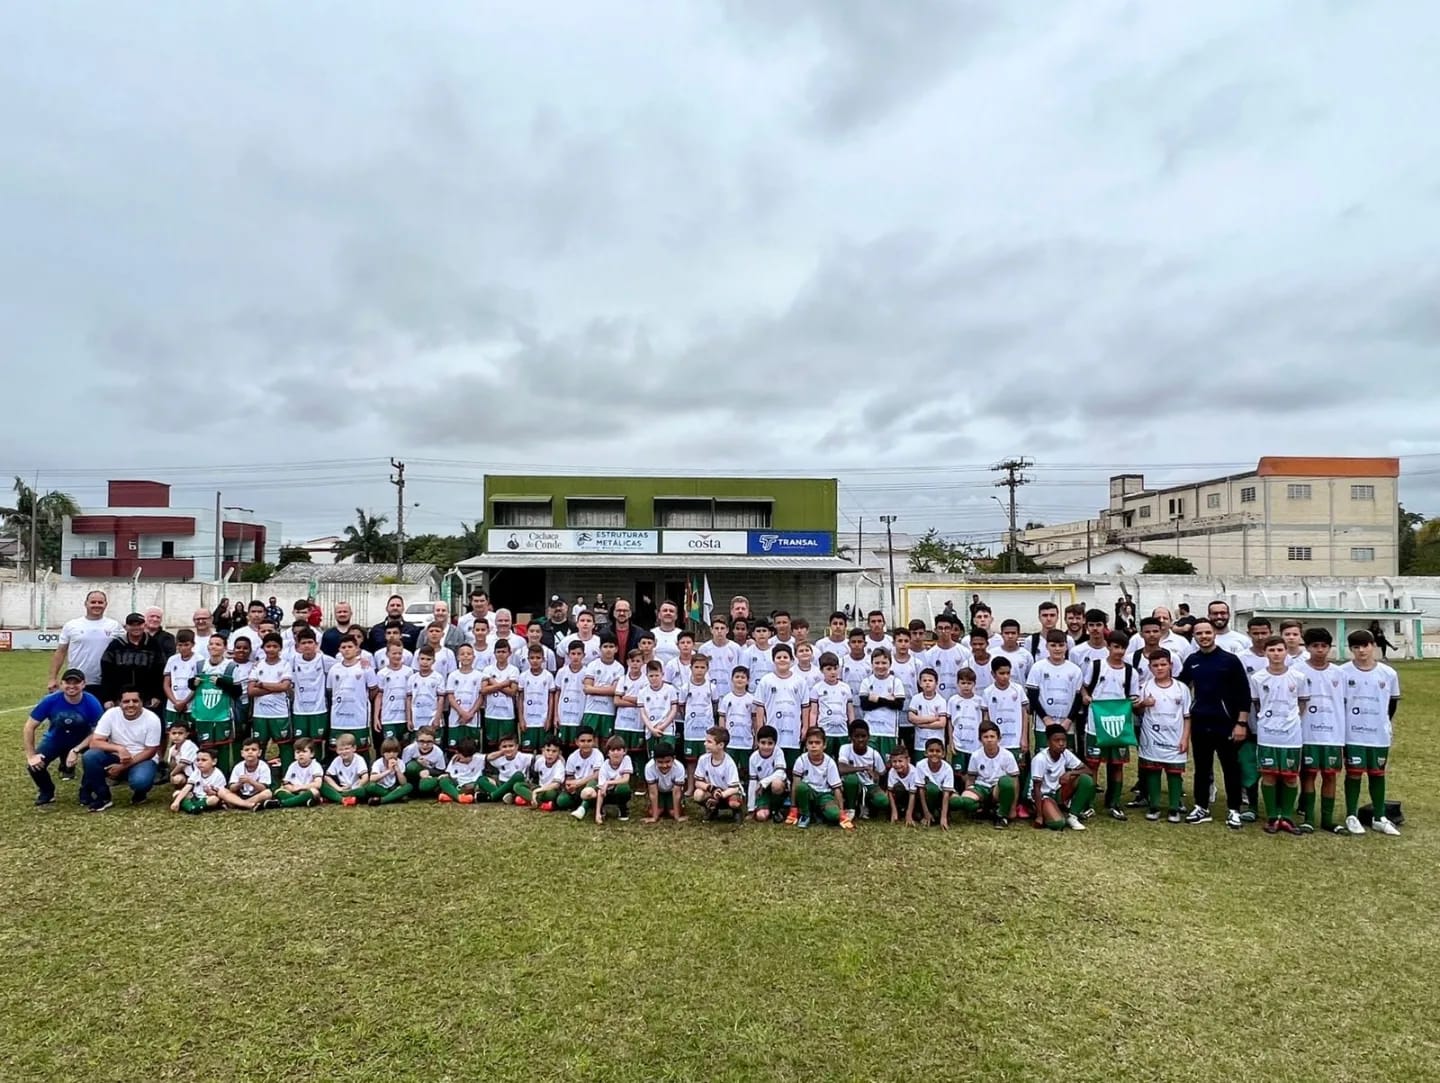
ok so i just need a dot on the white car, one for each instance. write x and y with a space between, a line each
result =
420 612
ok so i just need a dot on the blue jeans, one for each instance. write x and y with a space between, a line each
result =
53 746
95 783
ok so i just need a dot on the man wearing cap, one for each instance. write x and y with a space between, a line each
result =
123 746
133 661
557 623
69 717
83 642
154 628
394 610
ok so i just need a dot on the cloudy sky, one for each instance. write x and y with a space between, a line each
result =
263 247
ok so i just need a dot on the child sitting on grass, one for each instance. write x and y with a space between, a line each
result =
345 778
386 784
300 788
549 775
462 774
767 775
612 783
993 778
249 787
717 780
1059 783
512 768
817 786
203 786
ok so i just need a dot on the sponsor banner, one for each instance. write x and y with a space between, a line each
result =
790 543
523 540
724 542
29 641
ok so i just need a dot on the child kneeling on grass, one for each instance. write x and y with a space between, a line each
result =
386 784
767 775
993 778
717 779
462 774
664 783
611 785
1059 783
582 771
549 775
423 761
817 786
203 786
344 781
861 769
935 788
249 787
902 781
300 788
511 767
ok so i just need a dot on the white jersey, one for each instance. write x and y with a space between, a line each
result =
180 670
665 781
1277 721
348 775
722 776
424 690
723 657
875 644
602 675
908 781
310 676
1142 665
245 633
763 766
1233 641
1253 662
1038 649
303 777
759 661
852 672
677 671
667 644
578 766
394 688
870 763
1324 721
697 710
271 704
548 662
464 772
737 715
1368 693
549 774
965 719
206 785
988 770
931 714
1057 685
628 719
655 704
908 673
501 705
984 673
1006 707
883 721
1085 655
463 691
181 756
942 776
1020 662
570 705
259 774
386 775
1048 772
381 658
591 645
434 759
518 764
829 646
85 641
821 777
783 699
946 662
484 656
1178 646
833 704
350 695
1162 725
445 661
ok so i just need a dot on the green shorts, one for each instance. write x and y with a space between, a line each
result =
362 737
693 750
833 746
1095 755
533 739
1278 761
1327 759
214 734
1249 763
1364 759
568 732
791 756
496 728
634 741
399 731
883 745
741 756
310 725
172 716
455 734
602 724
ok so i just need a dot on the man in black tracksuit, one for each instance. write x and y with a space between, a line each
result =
1219 715
133 660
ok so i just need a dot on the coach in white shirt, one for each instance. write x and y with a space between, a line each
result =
123 746
83 642
1226 638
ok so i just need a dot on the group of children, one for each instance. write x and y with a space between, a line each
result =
855 726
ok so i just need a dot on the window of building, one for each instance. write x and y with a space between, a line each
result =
742 514
595 512
167 550
1177 507
102 549
1298 552
672 513
1362 492
522 513
1212 500
1299 491
1247 495
1363 554
1145 511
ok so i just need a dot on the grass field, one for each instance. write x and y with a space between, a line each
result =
449 942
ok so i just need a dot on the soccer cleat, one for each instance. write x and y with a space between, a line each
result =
1001 823
847 822
467 798
101 806
1272 826
374 802
445 799
349 802
1088 814
139 798
44 802
1234 821
1199 815
270 803
1174 817
864 812
547 806
624 816
579 813
1248 816
508 799
1138 802
1353 825
1073 822
1305 829
1118 814
520 801
1338 829
792 818
1288 828
1383 826
1152 815
66 776
803 822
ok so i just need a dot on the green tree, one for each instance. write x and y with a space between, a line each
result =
366 540
1410 522
259 572
1025 564
47 512
1167 564
1426 560
293 554
933 553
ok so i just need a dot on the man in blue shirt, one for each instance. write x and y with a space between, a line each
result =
69 717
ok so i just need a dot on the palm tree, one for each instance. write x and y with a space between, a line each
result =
367 541
471 538
45 514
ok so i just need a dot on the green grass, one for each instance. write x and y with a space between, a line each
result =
448 943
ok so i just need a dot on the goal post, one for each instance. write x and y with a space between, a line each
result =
1006 600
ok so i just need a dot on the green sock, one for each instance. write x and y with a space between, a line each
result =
1352 796
1084 794
1177 792
1114 779
1377 794
1272 802
1307 805
1327 812
1288 795
1152 790
287 756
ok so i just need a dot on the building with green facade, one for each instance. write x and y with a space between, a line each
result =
770 539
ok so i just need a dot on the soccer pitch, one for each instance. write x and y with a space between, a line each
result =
450 942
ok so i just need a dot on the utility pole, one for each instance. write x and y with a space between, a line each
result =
890 550
397 479
219 550
1013 480
1087 546
34 525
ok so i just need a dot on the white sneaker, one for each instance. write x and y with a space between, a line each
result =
1073 822
1384 827
579 813
1353 825
1233 820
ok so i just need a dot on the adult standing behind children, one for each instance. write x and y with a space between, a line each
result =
83 642
330 641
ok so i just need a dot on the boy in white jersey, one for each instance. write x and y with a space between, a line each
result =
1037 643
424 694
537 699
570 694
677 669
882 699
1278 700
391 719
901 782
460 783
935 788
344 781
1004 704
549 775
805 664
855 664
462 695
780 698
386 785
249 784
768 773
947 657
629 720
179 668
697 709
980 659
736 711
1058 782
1093 648
350 685
1054 689
717 779
1107 680
444 658
1323 730
203 786
664 782
269 686
309 670
836 642
1010 647
582 771
757 656
586 637
179 756
965 711
724 655
659 705
1372 695
992 778
394 634
424 762
1293 633
533 632
831 704
817 786
602 678
928 712
511 770
1164 736
484 649
500 685
862 772
611 785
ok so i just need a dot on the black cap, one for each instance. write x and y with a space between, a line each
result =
134 618
73 675
555 599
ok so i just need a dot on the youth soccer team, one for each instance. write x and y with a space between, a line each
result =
908 725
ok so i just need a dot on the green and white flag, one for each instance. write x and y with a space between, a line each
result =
1114 721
